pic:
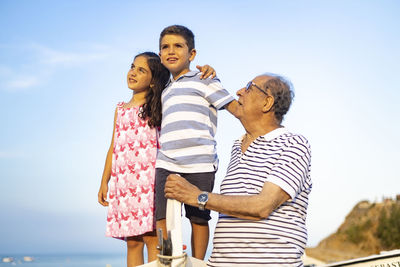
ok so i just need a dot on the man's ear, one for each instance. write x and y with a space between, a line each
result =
268 103
192 54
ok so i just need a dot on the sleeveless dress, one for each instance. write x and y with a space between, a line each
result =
131 186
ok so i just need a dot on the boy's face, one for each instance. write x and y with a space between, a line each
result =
175 54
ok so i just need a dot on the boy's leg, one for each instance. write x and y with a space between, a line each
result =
199 219
161 201
135 251
200 237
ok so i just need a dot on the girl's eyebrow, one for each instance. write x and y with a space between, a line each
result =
142 69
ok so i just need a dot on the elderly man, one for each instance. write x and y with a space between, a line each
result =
264 196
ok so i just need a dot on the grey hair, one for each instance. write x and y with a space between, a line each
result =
282 90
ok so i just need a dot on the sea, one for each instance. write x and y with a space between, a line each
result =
60 260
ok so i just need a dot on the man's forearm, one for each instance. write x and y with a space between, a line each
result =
244 207
254 207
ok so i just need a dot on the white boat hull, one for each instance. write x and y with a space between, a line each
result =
385 259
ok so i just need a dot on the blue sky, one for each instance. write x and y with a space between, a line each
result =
63 67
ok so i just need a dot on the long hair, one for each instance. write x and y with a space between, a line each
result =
160 76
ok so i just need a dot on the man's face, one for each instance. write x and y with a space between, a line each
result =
175 54
251 99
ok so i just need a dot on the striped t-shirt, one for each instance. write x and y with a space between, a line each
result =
282 158
189 122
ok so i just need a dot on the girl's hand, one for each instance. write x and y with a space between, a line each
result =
207 71
102 195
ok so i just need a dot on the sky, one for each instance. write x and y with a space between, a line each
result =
63 67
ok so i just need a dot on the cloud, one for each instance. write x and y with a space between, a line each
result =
42 62
12 155
53 57
22 83
11 79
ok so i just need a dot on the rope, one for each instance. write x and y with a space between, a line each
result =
170 258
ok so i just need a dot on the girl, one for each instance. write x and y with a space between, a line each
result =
130 162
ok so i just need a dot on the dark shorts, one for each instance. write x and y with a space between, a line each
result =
204 181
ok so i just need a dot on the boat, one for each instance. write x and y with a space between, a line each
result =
8 259
28 258
384 259
171 249
172 254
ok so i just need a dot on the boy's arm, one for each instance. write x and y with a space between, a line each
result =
232 107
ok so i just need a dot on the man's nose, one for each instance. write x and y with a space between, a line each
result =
240 91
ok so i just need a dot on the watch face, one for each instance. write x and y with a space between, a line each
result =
202 197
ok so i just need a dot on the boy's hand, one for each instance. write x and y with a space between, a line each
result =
207 71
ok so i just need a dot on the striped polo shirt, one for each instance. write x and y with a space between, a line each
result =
189 122
282 158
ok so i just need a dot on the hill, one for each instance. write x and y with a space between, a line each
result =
368 229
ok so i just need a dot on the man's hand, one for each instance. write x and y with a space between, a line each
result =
180 189
207 71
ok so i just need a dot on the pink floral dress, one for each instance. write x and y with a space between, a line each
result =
131 186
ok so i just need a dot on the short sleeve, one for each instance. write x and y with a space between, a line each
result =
292 168
215 94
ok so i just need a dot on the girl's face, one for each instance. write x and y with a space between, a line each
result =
139 76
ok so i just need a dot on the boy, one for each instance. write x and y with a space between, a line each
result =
189 120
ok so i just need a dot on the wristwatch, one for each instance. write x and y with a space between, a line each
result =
202 199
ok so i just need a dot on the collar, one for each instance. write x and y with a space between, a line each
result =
272 134
275 133
187 74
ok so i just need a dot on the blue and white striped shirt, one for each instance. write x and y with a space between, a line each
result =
282 158
189 122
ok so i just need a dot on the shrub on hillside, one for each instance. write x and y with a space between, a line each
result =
355 233
388 230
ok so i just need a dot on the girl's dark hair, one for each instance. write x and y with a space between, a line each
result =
160 76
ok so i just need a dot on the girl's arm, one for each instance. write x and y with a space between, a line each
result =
102 195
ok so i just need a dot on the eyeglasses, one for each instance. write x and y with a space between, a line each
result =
250 84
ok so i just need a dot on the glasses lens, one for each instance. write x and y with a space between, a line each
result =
248 86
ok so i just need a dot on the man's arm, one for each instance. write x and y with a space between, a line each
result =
255 207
